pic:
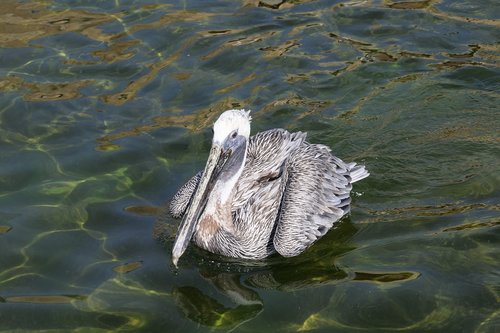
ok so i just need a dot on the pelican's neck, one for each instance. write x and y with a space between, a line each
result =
219 203
223 191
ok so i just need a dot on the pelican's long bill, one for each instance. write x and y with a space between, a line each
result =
195 208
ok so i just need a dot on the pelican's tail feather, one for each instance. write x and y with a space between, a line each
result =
357 172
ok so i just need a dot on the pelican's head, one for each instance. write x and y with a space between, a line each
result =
224 166
230 124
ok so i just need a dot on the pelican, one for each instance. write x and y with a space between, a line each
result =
272 192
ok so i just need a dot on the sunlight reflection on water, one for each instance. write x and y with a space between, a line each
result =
105 111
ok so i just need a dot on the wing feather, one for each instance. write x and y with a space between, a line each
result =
267 153
317 194
181 199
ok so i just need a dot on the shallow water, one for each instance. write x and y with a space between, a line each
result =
105 110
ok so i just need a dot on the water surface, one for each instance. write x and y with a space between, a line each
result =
105 111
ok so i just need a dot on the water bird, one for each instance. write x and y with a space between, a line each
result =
262 194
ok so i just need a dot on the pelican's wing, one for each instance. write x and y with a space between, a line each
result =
266 157
316 196
181 199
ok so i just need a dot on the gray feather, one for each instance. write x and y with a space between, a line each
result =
289 195
181 199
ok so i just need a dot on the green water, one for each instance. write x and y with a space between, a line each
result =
105 110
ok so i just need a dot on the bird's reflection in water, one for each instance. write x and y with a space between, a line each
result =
208 311
238 282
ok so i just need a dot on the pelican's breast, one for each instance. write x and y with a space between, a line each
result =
207 227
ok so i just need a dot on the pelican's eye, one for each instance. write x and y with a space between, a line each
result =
234 134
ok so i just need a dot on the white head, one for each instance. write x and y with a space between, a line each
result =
232 121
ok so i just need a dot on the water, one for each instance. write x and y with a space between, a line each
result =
105 110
